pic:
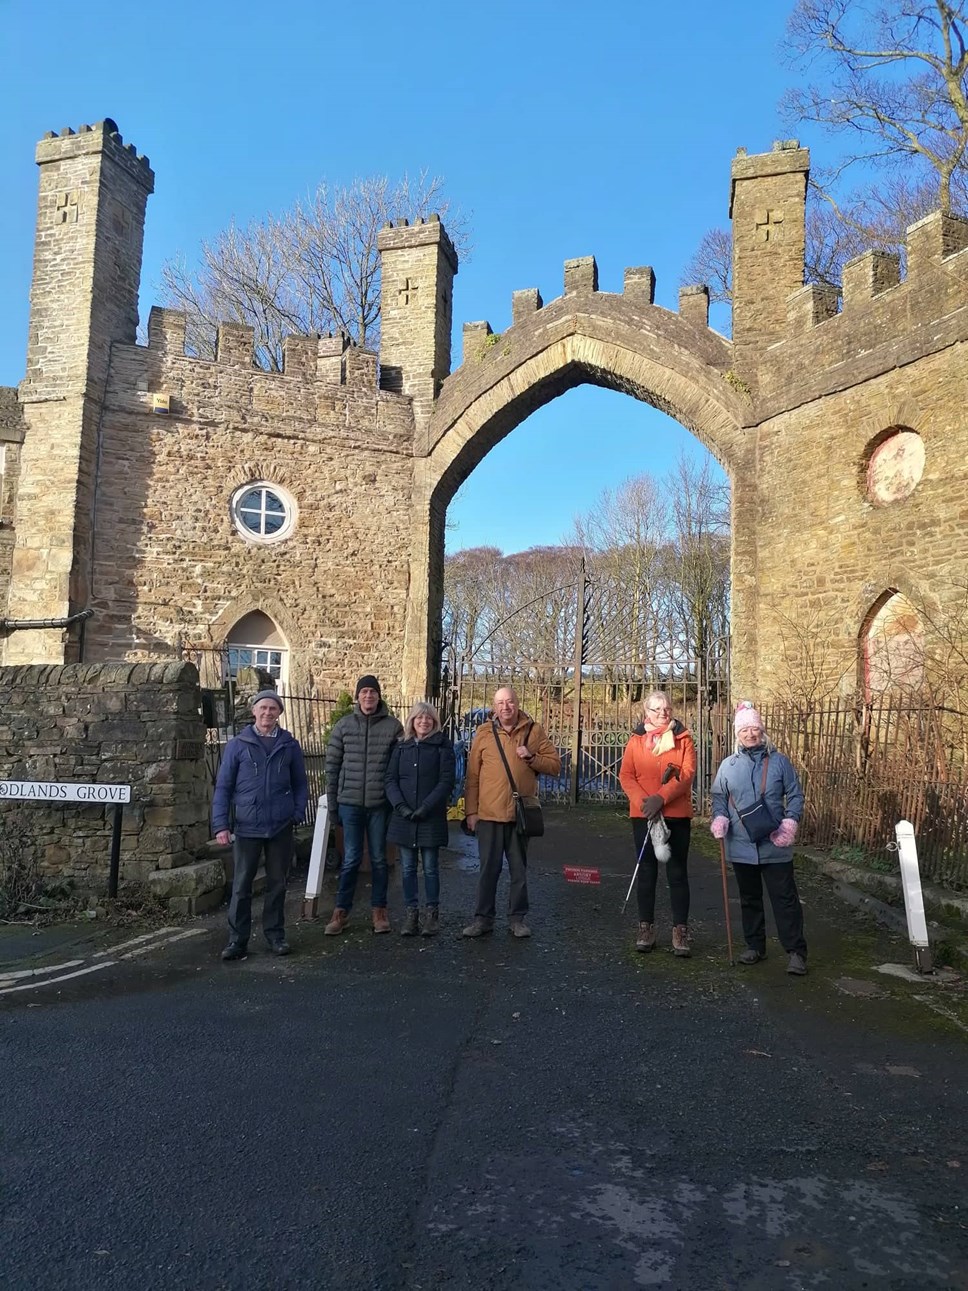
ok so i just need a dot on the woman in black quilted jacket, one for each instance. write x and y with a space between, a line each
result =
419 780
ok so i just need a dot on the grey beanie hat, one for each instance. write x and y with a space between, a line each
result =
269 694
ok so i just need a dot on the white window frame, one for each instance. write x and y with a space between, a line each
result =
289 506
259 657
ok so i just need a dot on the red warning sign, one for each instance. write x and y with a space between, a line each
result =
581 874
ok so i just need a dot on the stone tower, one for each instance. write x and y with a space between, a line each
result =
87 269
418 264
767 206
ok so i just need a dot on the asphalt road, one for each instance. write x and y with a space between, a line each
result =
556 1113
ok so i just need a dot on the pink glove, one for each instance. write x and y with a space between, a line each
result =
785 833
718 826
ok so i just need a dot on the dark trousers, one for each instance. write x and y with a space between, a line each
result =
248 852
679 832
495 840
784 898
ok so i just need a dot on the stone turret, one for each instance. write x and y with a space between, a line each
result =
418 264
767 206
87 270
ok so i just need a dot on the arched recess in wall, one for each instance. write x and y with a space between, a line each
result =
891 646
256 641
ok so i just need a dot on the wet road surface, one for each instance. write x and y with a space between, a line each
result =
555 1113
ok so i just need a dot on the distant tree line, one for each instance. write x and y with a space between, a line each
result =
656 558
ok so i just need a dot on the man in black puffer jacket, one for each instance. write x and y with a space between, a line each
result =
356 762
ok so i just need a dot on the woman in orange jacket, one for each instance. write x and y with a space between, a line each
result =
658 768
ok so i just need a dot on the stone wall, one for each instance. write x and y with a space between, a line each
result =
171 569
11 437
134 724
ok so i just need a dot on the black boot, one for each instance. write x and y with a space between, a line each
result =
411 925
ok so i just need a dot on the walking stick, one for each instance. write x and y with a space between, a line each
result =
670 771
635 872
729 929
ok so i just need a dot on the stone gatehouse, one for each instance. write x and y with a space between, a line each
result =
155 504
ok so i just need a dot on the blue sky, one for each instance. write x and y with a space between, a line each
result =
562 129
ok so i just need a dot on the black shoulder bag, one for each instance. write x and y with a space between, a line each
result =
758 821
528 819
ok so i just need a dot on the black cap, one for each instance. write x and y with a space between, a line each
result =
368 682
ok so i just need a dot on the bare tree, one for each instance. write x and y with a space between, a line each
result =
712 264
622 537
471 600
893 81
699 561
313 269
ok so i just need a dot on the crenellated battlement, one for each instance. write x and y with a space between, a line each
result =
103 136
876 322
931 243
580 280
331 359
400 235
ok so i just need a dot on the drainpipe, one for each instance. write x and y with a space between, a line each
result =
17 625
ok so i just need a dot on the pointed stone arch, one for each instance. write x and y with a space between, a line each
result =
891 645
651 354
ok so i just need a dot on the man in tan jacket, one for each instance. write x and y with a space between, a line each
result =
490 806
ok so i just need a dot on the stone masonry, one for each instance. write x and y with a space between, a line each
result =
136 724
132 454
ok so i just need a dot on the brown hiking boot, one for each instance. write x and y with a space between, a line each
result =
431 925
337 924
411 926
680 941
381 922
646 938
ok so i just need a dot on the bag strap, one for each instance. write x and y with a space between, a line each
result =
766 763
500 749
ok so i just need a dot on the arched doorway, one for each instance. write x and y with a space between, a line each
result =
661 358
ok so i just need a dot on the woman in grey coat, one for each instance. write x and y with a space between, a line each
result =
419 780
758 770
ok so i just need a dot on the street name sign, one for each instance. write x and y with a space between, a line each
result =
63 791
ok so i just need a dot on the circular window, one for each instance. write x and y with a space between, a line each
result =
263 512
895 467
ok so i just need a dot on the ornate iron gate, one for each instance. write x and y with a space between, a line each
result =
591 702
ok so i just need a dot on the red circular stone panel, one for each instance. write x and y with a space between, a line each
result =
895 468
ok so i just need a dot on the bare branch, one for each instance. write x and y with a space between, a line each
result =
313 269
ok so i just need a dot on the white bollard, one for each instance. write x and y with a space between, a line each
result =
317 861
907 853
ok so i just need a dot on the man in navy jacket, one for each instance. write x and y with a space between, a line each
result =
262 784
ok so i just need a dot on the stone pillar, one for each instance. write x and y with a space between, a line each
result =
767 206
418 264
421 645
87 271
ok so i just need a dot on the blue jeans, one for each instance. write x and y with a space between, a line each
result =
373 822
431 873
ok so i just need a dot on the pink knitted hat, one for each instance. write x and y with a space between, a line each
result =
746 715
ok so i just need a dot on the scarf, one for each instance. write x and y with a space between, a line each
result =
659 738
